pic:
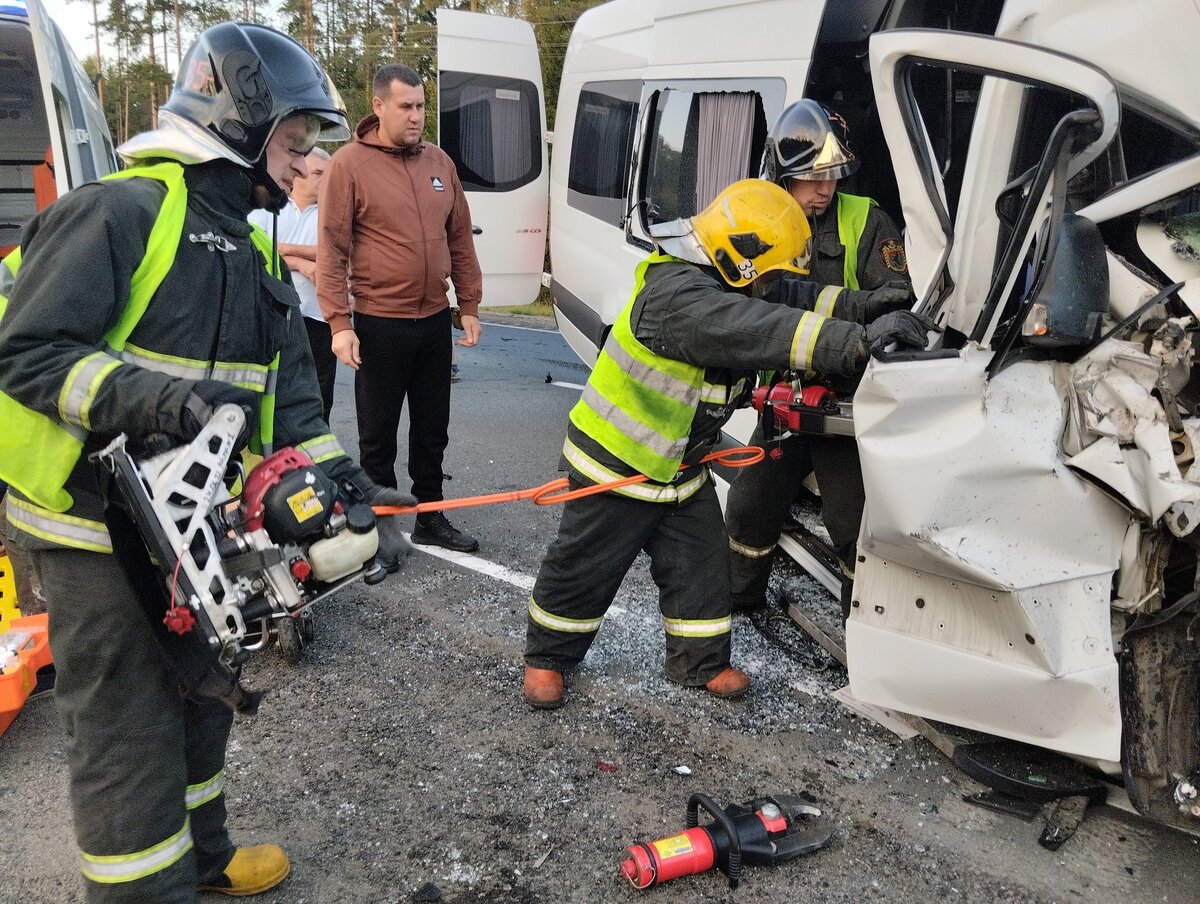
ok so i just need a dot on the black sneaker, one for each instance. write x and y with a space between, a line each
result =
436 530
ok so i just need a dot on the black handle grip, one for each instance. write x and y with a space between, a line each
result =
734 866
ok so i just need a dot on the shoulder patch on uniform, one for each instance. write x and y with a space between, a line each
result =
437 183
892 251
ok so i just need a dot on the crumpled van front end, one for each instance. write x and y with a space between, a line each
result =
1027 561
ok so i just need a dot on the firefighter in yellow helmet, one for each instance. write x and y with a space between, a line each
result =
680 358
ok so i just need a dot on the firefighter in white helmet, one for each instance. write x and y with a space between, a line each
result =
680 358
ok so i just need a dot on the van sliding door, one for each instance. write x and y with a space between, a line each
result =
492 123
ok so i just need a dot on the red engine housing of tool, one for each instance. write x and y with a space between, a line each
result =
788 407
289 495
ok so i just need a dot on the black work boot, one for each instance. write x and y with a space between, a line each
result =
435 529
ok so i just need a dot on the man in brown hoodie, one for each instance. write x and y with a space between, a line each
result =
393 219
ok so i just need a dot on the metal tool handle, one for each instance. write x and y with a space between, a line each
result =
734 865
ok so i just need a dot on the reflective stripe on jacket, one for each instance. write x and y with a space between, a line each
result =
676 365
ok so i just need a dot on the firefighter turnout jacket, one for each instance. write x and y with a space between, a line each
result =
96 345
679 360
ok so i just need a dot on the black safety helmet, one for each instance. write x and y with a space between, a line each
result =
240 80
808 142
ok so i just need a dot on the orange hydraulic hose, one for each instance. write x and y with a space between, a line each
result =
553 493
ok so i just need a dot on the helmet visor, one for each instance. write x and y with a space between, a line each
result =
334 124
833 160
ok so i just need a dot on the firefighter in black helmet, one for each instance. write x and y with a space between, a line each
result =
140 304
855 245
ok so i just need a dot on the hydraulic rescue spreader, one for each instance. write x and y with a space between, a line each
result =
788 408
764 831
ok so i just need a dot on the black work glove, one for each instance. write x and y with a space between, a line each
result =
866 306
204 400
906 329
393 545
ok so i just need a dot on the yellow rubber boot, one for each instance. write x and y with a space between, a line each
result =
252 870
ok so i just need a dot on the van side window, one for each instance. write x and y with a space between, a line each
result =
490 126
70 148
110 158
699 143
602 148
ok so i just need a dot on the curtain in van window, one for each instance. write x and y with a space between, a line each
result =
724 135
493 137
475 135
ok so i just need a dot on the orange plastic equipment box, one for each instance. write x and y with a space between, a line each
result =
34 654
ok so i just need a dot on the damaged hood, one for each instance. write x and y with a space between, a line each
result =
1119 433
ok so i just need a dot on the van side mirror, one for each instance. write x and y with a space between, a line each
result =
1070 297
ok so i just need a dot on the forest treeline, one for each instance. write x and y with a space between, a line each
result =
138 45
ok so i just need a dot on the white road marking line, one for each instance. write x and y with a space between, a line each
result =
483 566
528 329
499 572
576 386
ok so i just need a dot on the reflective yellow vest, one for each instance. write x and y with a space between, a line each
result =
852 220
639 405
38 451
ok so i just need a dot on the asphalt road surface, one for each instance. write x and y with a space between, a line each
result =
397 760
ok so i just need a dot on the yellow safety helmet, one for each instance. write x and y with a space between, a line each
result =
751 228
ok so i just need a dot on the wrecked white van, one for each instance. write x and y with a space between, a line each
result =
53 135
1027 561
1028 554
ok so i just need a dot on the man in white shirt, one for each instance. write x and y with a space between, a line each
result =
297 240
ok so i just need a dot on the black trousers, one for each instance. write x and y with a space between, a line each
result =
404 359
320 340
598 539
146 765
761 496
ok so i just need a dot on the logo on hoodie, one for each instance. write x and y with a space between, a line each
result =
437 183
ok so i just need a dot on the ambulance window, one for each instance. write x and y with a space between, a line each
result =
602 149
490 127
24 134
699 143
